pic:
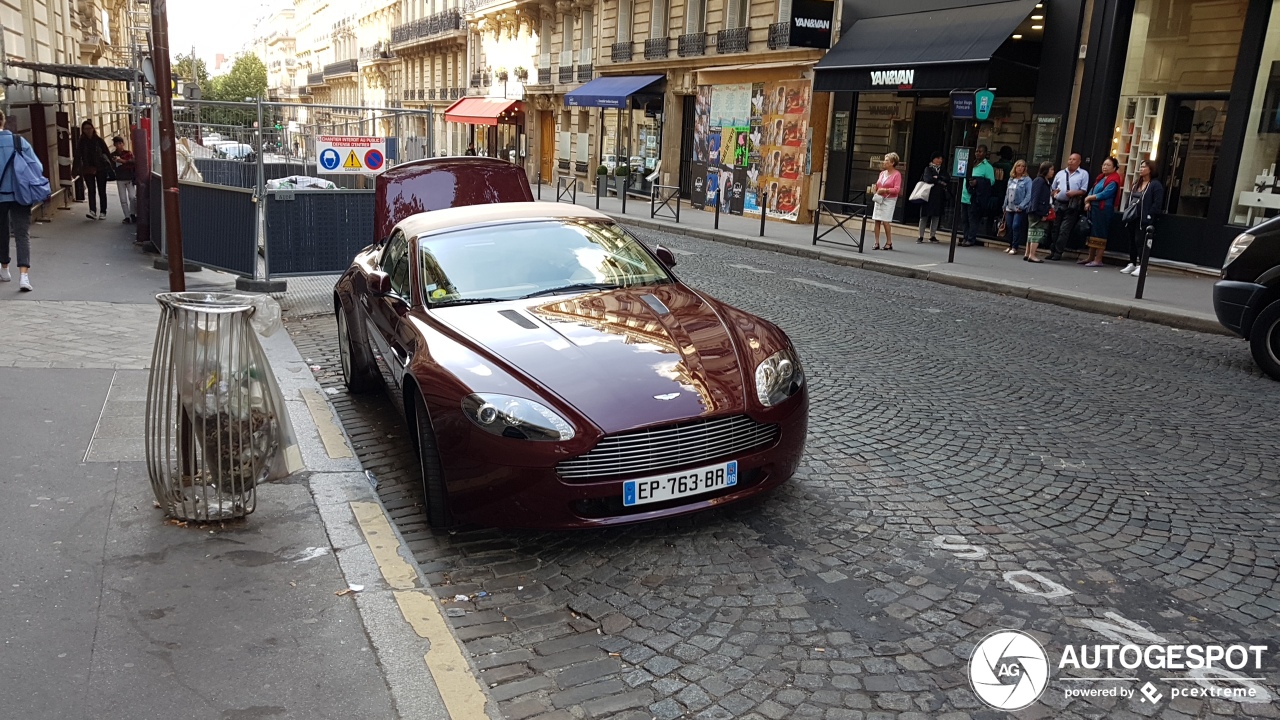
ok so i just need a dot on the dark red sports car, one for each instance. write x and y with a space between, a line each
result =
557 374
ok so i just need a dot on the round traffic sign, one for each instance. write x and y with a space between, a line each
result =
329 159
373 159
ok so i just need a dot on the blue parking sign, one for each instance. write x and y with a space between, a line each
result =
329 159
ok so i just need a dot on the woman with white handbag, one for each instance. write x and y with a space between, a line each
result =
932 191
885 197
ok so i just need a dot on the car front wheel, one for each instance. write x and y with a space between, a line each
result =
433 490
1264 340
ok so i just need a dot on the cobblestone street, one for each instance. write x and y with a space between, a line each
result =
974 463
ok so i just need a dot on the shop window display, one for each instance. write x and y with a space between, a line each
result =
1257 189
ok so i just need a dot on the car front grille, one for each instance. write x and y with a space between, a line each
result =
656 450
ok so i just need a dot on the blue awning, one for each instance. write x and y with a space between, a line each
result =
609 91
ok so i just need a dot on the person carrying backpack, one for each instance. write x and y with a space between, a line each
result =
15 216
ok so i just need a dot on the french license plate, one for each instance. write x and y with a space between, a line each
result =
678 485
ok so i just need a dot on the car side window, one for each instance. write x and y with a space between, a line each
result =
399 270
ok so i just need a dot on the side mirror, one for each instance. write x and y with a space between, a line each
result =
379 283
665 256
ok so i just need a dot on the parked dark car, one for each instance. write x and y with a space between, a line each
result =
1247 298
555 373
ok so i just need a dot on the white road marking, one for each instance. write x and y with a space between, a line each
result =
824 286
681 252
750 268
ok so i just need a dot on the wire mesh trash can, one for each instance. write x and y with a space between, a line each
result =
216 422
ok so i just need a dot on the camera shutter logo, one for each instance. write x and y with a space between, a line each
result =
1008 670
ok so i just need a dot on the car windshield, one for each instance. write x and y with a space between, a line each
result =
531 258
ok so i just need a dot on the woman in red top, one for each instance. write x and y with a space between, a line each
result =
885 198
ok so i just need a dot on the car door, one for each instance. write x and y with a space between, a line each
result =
385 313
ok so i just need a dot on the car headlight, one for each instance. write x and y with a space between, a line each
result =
514 417
1242 241
778 377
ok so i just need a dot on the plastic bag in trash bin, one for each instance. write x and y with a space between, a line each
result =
226 387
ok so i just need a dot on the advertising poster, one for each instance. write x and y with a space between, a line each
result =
750 143
698 196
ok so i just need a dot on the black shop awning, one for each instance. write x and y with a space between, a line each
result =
931 50
83 72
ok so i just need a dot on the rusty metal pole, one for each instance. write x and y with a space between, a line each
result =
168 148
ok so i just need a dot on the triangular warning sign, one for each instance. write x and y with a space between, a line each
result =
353 162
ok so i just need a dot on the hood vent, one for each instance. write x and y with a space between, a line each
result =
655 304
518 319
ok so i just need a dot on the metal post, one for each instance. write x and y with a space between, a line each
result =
718 208
764 212
955 223
539 182
168 149
623 192
1147 242
260 196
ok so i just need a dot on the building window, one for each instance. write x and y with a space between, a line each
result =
624 21
1257 196
658 19
736 14
695 16
1181 60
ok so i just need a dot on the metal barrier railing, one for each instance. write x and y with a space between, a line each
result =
660 197
566 187
840 214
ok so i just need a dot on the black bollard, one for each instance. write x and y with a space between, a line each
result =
1147 242
764 212
717 208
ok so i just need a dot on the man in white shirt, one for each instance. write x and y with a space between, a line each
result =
1069 188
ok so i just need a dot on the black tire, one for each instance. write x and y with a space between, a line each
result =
1264 340
434 493
356 374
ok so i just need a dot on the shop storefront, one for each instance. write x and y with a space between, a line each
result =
899 80
496 126
1193 85
628 126
755 141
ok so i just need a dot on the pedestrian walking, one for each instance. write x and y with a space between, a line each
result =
1145 201
125 180
976 194
931 213
471 148
14 217
1101 206
1069 187
887 188
1017 201
94 160
1040 212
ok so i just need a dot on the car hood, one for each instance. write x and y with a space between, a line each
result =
625 358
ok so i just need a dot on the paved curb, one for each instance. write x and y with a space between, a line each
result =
337 485
1075 301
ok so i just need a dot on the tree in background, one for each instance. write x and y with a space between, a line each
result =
247 79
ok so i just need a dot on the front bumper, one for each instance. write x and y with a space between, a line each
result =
1233 303
536 497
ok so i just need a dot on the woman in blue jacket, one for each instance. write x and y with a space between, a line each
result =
1101 204
1017 201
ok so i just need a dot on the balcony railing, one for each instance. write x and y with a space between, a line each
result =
342 67
427 27
379 51
779 35
584 73
566 74
692 44
315 78
621 52
475 80
544 76
656 48
733 40
474 5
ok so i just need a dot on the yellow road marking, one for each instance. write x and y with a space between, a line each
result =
335 444
399 574
462 695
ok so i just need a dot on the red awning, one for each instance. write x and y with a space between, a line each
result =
483 111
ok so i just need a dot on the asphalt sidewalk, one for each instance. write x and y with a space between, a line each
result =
109 610
1172 296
